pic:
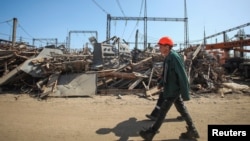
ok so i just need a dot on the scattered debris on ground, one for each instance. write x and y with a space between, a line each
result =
110 69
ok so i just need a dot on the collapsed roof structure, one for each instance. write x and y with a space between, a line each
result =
111 68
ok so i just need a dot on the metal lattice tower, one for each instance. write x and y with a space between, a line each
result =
146 19
79 31
53 40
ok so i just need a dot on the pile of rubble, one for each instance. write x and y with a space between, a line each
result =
110 69
206 75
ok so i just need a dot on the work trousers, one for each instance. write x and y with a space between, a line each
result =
157 108
166 105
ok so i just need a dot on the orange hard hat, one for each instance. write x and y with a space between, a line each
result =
166 41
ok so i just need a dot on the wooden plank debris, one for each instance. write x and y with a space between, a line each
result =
40 69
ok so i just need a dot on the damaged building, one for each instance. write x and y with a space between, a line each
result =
111 68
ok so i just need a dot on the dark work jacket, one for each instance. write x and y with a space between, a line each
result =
174 81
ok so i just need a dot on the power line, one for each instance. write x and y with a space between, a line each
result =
115 27
142 3
137 22
100 7
118 2
6 21
124 29
4 34
24 30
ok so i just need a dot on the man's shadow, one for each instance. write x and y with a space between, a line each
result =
131 128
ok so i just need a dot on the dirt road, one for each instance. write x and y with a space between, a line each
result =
107 118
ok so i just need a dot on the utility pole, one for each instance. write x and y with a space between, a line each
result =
136 39
145 26
186 38
14 32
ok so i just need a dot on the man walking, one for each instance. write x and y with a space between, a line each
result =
175 90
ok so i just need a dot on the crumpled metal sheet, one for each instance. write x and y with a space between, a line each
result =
76 84
35 70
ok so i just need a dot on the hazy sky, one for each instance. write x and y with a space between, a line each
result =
54 19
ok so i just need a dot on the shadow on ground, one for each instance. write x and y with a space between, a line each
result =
131 128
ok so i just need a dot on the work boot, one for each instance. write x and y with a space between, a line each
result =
147 134
190 134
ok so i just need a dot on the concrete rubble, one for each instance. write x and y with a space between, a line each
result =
111 68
